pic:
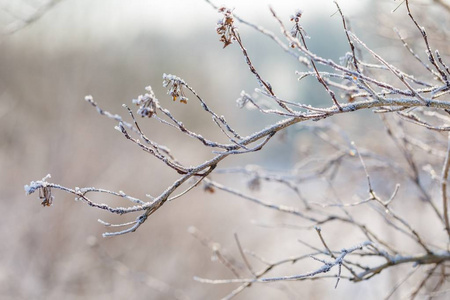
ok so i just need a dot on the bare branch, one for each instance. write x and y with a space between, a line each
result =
323 186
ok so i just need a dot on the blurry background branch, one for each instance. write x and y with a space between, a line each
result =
20 14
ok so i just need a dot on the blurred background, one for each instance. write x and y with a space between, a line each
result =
53 54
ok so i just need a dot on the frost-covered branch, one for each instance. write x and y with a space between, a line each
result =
366 80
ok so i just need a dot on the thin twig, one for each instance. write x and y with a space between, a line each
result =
444 179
